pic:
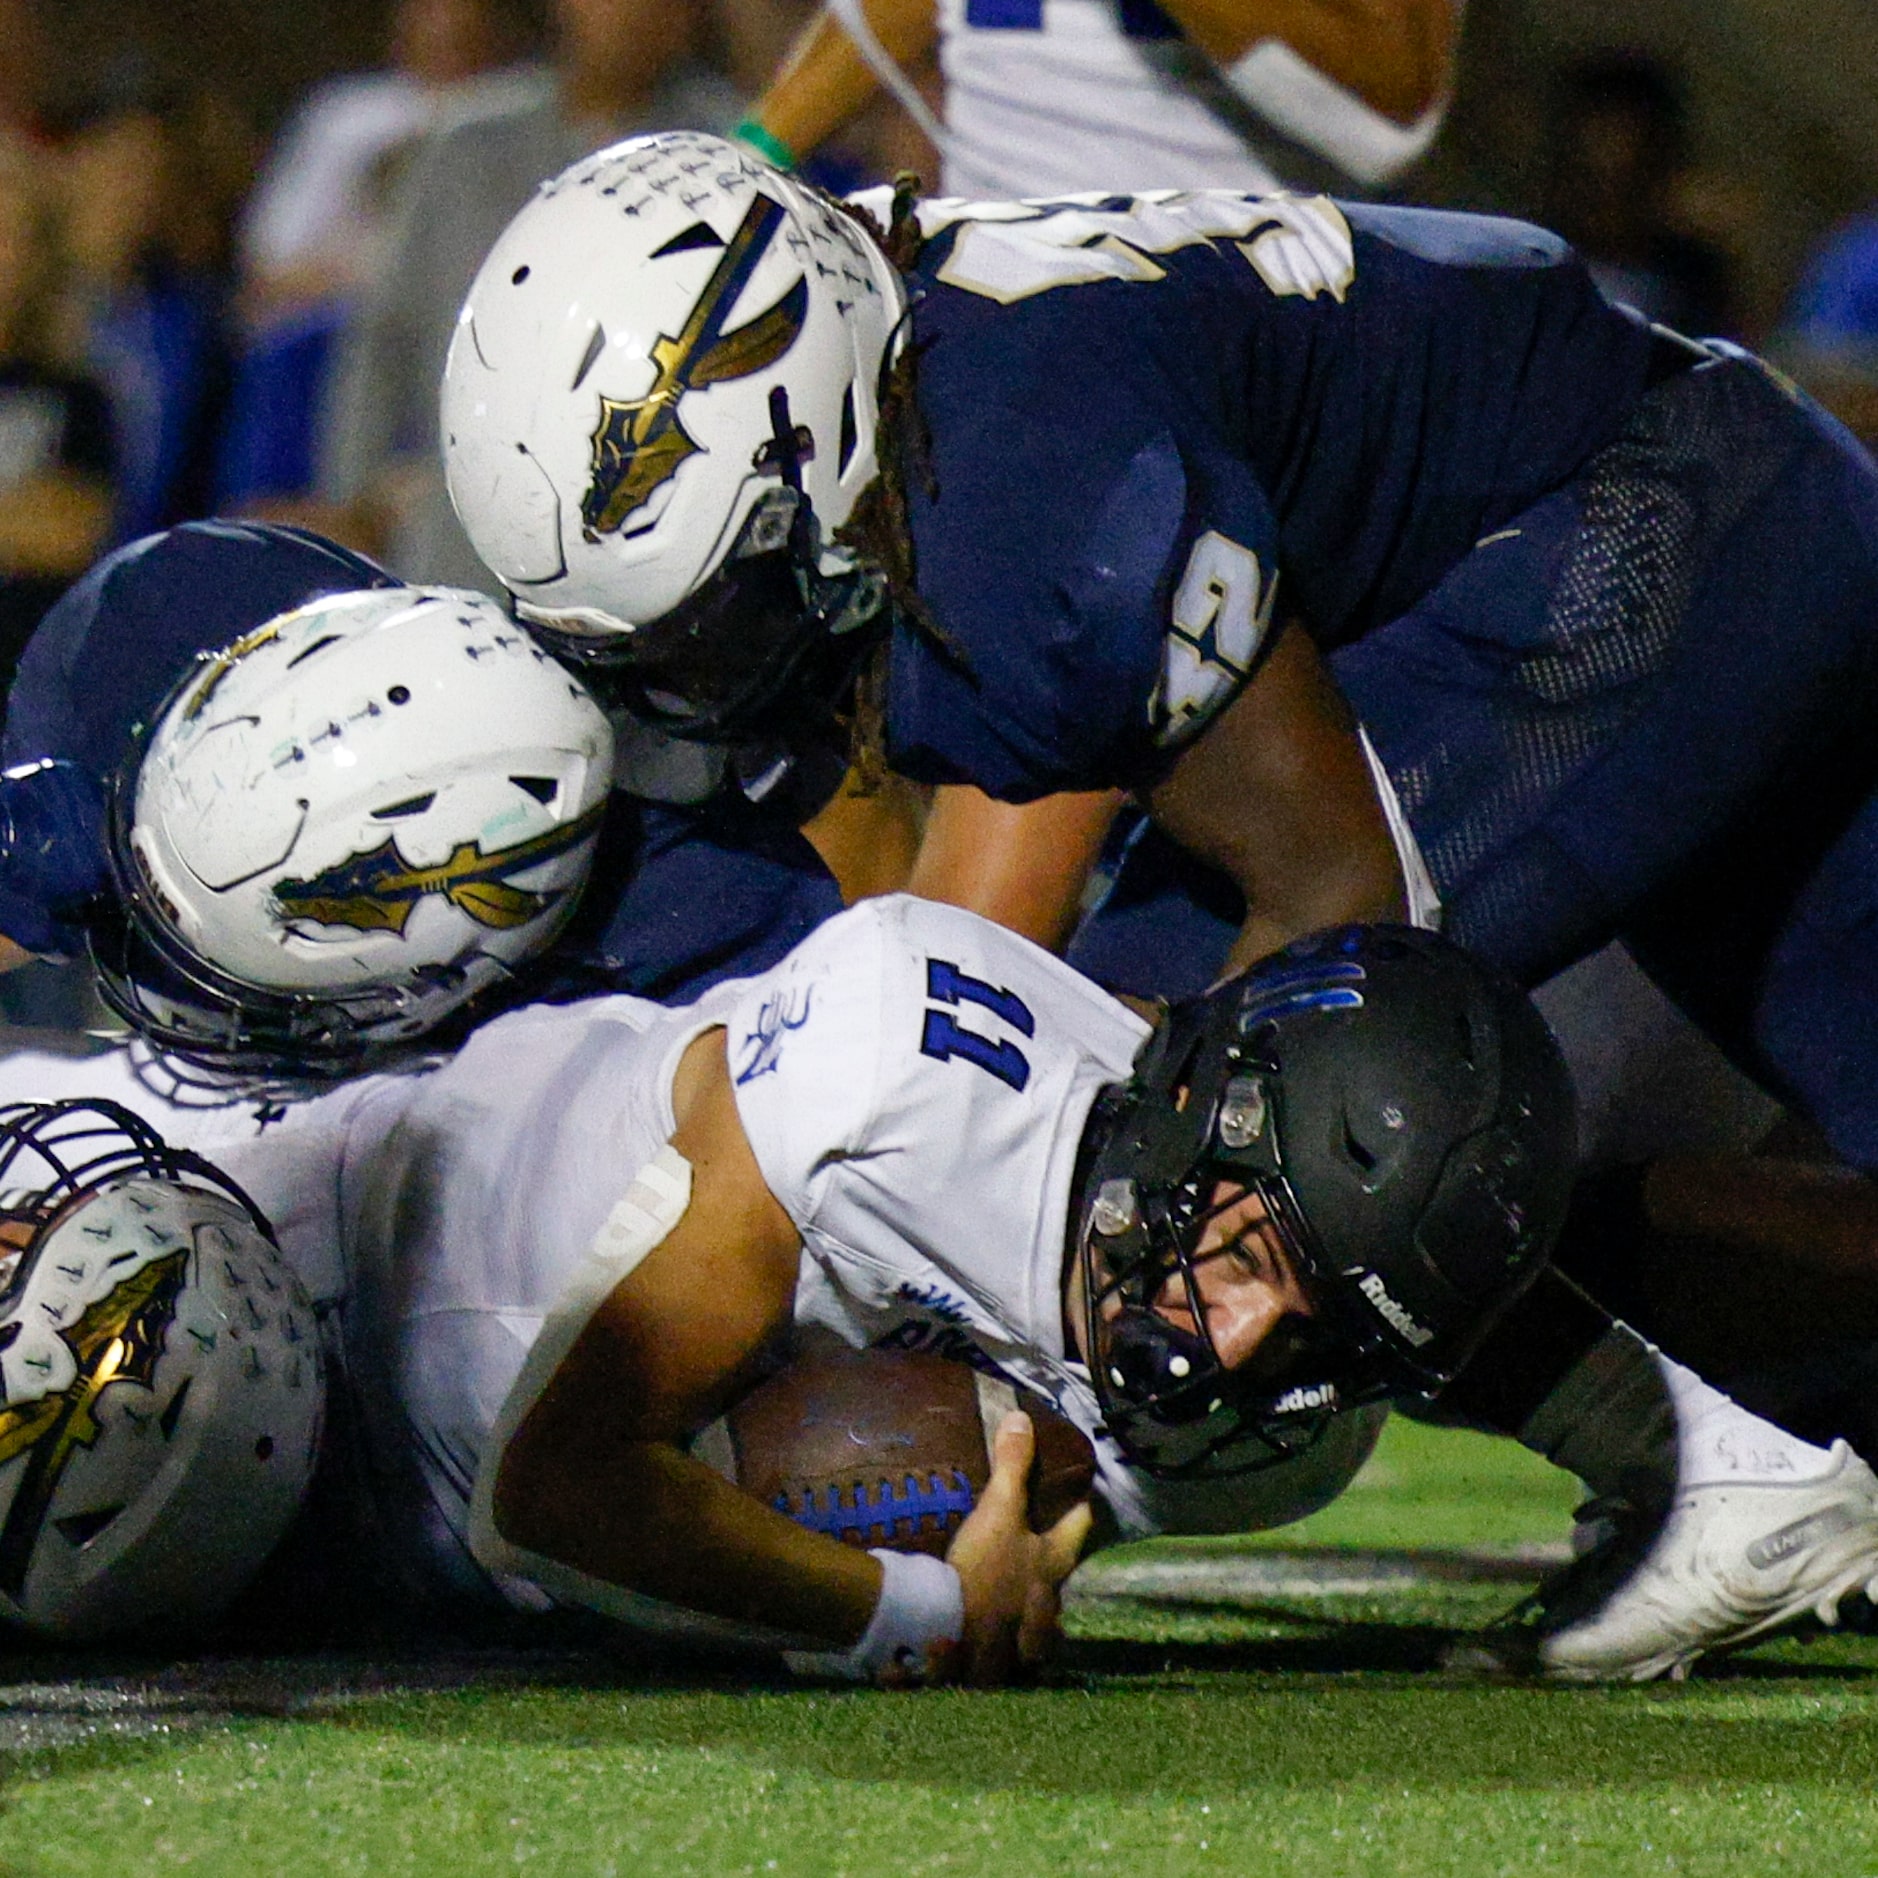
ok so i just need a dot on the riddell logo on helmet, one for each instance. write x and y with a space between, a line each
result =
1314 1395
1391 1312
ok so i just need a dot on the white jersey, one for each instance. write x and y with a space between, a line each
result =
1077 102
1049 97
914 1083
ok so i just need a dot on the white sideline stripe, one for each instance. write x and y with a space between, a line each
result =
1255 1577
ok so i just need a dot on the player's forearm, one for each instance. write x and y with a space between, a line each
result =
870 840
1024 865
690 1539
1278 795
1395 55
1362 896
824 82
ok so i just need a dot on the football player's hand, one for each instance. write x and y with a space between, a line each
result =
1012 1577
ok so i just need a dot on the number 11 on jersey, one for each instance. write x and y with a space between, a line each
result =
944 1037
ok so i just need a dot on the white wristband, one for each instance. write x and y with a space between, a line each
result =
921 1603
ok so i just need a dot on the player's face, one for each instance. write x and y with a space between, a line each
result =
1245 1279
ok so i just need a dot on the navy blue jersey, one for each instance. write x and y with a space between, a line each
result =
677 901
1155 421
1641 710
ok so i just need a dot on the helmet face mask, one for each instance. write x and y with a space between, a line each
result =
1406 1123
163 1385
346 825
766 643
1168 1397
203 1018
668 365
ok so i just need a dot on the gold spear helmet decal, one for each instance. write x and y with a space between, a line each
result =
117 1339
640 442
377 892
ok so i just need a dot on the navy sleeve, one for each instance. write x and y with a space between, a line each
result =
680 900
1065 544
52 858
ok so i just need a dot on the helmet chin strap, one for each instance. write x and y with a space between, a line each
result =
843 600
785 440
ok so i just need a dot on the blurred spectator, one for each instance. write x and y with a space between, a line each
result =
1618 151
1045 96
748 39
619 66
55 437
22 70
151 297
316 218
1828 338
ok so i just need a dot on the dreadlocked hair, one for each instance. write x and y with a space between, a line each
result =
879 527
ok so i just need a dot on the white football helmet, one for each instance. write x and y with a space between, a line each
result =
161 1389
348 823
661 399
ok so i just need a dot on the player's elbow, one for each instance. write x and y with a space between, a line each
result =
1407 48
552 1486
523 1504
1370 98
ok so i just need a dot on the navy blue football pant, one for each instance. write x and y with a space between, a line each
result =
1647 710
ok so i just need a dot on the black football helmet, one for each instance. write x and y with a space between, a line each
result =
1407 1120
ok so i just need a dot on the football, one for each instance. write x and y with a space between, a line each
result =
890 1447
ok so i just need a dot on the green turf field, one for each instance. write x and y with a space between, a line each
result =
1268 1708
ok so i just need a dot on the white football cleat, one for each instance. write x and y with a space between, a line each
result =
1727 1562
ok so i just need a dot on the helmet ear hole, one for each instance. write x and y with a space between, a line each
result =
411 805
79 1529
1358 1152
849 434
543 788
1469 1046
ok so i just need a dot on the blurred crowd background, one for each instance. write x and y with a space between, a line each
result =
234 233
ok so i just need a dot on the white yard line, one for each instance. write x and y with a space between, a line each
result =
1258 1577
